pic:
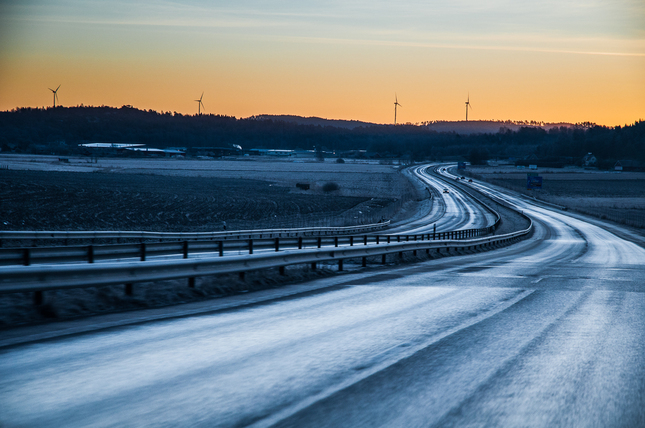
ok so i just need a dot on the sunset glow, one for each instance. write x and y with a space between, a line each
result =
553 61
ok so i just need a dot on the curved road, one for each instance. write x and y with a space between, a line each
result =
455 210
547 332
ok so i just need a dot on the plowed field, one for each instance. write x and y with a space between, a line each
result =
48 200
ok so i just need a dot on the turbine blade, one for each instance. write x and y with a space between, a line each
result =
58 88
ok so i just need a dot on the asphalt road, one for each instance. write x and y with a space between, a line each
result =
547 332
454 210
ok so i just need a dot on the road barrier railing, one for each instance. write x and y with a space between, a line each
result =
144 251
190 236
41 278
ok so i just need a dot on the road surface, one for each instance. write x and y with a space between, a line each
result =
547 332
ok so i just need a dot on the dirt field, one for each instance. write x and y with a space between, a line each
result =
169 195
616 196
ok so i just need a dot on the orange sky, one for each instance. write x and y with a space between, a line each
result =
556 61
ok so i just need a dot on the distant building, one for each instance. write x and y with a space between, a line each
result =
629 165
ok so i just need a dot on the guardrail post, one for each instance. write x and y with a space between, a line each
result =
398 238
340 265
364 261
220 244
351 241
143 252
364 239
185 249
90 254
129 290
388 239
319 242
38 298
377 240
414 253
277 244
250 246
400 254
26 259
281 270
300 243
313 265
191 282
241 276
383 258
335 241
407 238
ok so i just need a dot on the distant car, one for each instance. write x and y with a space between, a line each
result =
463 178
443 169
445 191
470 180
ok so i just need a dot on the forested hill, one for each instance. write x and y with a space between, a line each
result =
63 128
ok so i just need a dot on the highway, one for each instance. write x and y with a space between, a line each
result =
455 210
547 332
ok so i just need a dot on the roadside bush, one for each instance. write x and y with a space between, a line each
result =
340 160
330 187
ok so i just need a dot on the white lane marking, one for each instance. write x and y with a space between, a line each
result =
538 280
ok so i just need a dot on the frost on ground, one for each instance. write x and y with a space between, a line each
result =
173 199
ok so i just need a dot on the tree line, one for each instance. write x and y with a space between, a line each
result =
59 130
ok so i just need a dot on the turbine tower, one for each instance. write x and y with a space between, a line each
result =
55 94
468 105
200 104
396 103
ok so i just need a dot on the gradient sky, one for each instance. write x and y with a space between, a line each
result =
564 60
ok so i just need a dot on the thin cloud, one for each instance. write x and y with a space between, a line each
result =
325 40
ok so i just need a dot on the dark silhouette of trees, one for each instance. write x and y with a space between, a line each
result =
60 130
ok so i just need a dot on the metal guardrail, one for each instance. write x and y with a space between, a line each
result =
188 236
48 277
91 253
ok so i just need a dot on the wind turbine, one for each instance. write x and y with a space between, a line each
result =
396 103
468 105
55 94
200 104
